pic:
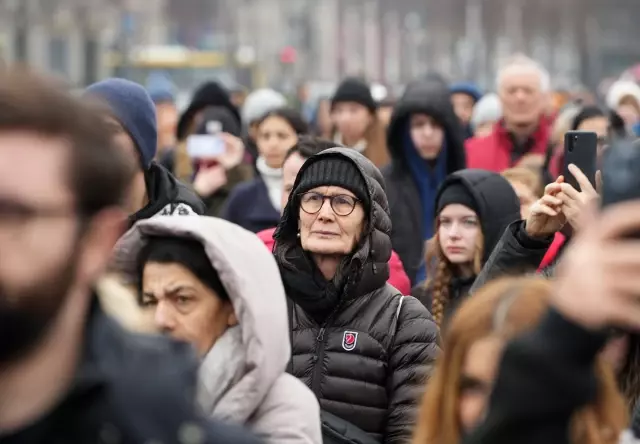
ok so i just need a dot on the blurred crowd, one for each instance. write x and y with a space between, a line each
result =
432 268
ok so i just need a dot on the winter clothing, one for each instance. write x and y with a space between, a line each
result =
185 170
472 91
160 88
260 102
250 207
167 196
363 349
133 108
354 90
272 178
178 160
127 387
209 94
242 378
467 88
552 396
496 205
499 150
397 276
516 253
620 90
488 109
334 171
553 253
456 193
411 181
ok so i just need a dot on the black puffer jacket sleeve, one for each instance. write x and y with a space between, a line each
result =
412 358
515 253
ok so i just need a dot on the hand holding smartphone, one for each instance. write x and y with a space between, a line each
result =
207 146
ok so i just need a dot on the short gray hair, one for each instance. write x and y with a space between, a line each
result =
522 61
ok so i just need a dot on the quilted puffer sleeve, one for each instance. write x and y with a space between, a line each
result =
416 346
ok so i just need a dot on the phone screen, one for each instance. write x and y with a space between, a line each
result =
204 146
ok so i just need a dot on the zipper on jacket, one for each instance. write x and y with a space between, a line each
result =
318 358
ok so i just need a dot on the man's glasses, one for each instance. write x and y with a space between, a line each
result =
341 204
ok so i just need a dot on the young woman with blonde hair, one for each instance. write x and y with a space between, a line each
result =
473 208
458 392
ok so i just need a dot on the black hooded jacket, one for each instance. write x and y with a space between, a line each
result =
498 206
431 98
167 196
209 94
368 361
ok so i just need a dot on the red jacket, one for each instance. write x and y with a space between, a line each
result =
493 152
552 253
397 276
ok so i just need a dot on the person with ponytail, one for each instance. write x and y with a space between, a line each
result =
473 208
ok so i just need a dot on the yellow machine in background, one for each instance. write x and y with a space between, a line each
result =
187 68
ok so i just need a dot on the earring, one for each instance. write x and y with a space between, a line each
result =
298 235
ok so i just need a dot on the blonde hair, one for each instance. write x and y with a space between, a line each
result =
526 176
441 272
504 309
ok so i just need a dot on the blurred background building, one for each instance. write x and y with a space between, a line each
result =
284 42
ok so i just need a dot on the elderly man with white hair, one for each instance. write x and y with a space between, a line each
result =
523 87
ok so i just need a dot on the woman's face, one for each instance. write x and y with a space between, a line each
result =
479 371
290 170
629 111
327 231
274 138
427 136
458 231
351 119
526 196
179 304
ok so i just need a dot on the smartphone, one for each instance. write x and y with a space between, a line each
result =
204 146
580 149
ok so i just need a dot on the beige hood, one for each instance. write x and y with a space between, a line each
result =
252 279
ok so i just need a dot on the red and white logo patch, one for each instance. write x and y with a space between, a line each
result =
349 340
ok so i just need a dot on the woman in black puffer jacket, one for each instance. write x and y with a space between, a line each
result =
363 348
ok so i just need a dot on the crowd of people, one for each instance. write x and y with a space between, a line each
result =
417 270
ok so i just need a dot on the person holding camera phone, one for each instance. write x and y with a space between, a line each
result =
597 289
525 243
217 154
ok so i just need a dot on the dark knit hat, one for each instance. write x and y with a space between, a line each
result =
220 114
133 108
456 193
354 90
334 171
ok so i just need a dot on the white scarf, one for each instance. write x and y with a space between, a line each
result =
359 147
221 369
272 178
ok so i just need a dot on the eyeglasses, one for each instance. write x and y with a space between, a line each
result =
341 204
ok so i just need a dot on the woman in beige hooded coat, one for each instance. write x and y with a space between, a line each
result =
214 284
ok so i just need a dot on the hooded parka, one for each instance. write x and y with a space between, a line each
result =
408 200
367 361
242 379
497 206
